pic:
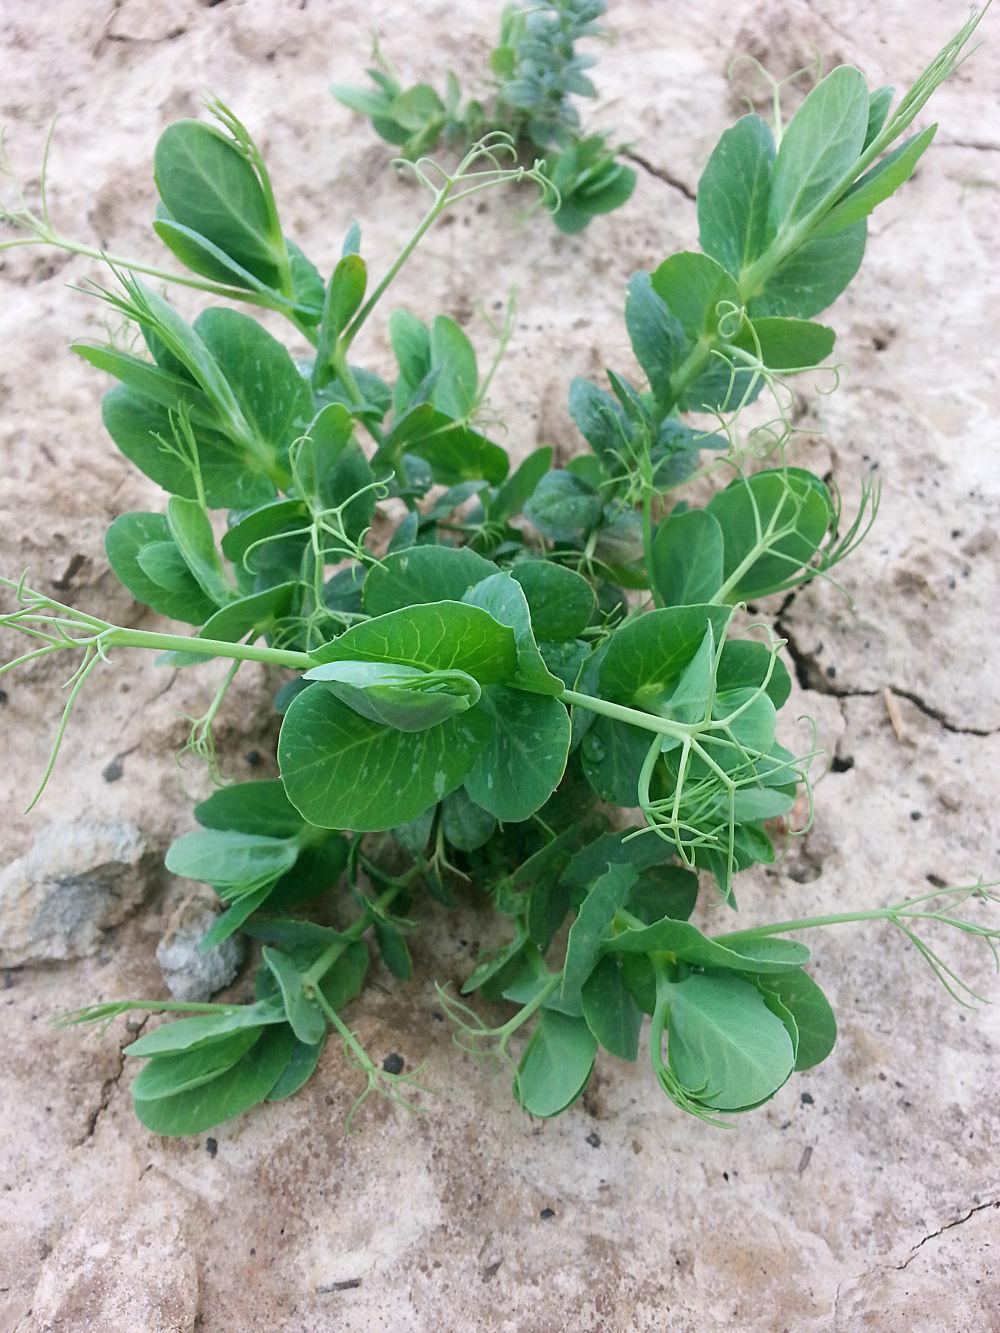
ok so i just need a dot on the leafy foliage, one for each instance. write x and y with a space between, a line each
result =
537 73
485 656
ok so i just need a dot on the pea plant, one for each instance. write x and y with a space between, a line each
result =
536 74
488 669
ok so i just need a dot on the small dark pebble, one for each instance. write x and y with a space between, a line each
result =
211 1147
113 771
831 672
594 1140
393 1064
915 815
806 1098
841 763
546 1213
253 758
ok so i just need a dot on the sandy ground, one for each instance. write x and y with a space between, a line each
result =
867 1194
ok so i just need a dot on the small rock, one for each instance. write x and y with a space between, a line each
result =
190 974
80 879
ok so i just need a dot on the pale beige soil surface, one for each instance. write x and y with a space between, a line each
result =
867 1194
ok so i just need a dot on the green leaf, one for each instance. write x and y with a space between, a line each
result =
600 420
734 193
519 487
304 1014
786 344
415 107
588 932
406 698
646 657
744 665
612 755
688 944
251 807
167 1075
272 395
687 558
465 824
142 377
188 1034
299 1070
878 109
423 574
143 431
813 276
344 771
226 858
334 470
657 338
208 185
366 101
264 535
344 294
504 599
436 636
693 286
392 946
128 536
663 890
524 757
820 145
192 532
815 1020
560 600
411 344
243 1085
774 523
725 1046
454 451
879 183
451 352
609 1010
556 1064
203 256
563 506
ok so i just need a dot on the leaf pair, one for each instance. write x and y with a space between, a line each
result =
255 848
761 534
218 216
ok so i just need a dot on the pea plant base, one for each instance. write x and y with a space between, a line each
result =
466 1177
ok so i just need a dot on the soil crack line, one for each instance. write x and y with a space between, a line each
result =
811 677
109 1085
660 173
958 1221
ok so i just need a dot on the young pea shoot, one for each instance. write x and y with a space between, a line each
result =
482 659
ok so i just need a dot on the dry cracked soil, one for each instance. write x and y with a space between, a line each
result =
867 1194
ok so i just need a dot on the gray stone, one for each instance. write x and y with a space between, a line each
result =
189 973
80 879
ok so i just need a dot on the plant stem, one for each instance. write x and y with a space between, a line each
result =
353 932
633 716
244 652
808 923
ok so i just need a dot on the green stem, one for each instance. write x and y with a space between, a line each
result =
647 543
353 932
244 652
633 716
243 294
808 923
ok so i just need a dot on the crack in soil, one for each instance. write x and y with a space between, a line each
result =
957 1222
660 173
811 677
109 1085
